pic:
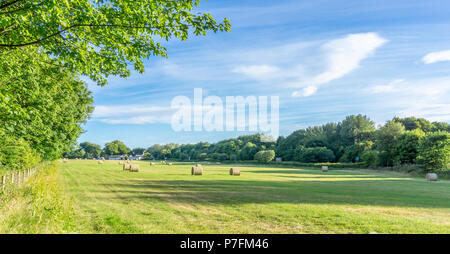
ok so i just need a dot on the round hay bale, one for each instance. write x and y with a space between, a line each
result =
170 163
100 162
120 163
126 166
235 171
152 163
196 171
432 177
134 168
198 165
324 168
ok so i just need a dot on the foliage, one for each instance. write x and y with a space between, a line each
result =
91 150
101 38
40 103
115 147
369 158
413 123
265 156
316 154
407 146
355 128
386 140
16 154
355 151
434 151
138 150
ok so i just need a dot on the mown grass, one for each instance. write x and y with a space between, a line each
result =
38 206
167 199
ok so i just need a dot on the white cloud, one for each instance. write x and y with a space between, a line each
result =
389 88
258 71
307 91
344 56
434 57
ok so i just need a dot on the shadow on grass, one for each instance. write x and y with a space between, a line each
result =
315 172
359 192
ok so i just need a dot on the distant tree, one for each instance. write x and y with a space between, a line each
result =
434 151
355 151
407 146
369 158
138 150
412 123
115 147
265 156
248 151
440 126
386 140
356 128
316 154
91 150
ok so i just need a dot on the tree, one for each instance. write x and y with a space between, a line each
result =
265 156
412 123
407 146
16 153
100 38
386 140
316 154
44 105
354 151
440 126
356 128
115 147
137 150
91 150
434 151
248 151
369 158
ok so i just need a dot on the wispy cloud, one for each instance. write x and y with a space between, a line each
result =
132 114
263 72
426 98
435 57
389 88
335 59
344 56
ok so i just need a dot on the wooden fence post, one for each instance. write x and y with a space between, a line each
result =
12 178
3 182
19 178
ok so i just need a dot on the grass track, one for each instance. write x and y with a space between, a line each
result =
167 199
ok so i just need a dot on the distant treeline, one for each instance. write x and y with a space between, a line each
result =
355 139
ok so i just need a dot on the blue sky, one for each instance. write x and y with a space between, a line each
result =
325 59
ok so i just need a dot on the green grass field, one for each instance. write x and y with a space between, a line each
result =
167 199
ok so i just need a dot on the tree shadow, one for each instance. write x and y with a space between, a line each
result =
315 172
389 192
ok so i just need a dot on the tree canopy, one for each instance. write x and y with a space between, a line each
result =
99 38
44 105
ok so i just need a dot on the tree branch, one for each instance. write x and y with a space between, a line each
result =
5 5
21 45
21 9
